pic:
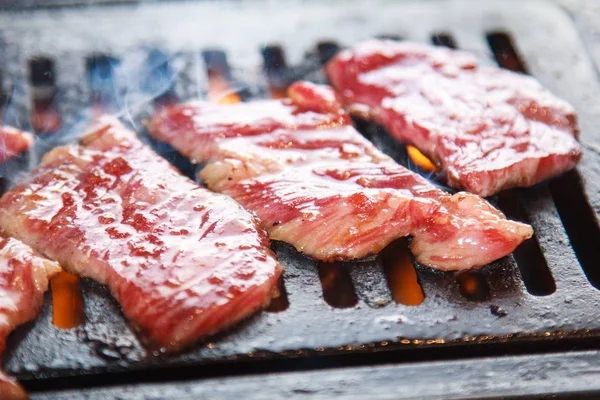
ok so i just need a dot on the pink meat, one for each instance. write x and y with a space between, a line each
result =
317 184
489 129
13 141
24 277
182 261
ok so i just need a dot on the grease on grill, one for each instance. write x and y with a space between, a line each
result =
338 289
498 311
67 301
45 117
473 286
401 274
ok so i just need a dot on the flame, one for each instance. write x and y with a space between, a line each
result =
67 302
229 98
220 91
401 274
419 158
278 93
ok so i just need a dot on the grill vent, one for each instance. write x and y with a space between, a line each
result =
338 289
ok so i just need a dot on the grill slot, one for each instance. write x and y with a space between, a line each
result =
102 82
386 36
4 94
276 70
443 39
44 115
280 302
504 52
326 50
401 274
338 289
159 79
67 301
222 87
579 221
530 260
448 323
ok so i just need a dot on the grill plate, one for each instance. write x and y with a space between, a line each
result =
549 46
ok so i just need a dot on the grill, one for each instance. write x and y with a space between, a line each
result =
63 64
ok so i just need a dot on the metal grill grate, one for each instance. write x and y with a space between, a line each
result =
82 60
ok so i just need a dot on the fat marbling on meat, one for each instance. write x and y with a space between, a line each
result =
182 261
317 184
489 129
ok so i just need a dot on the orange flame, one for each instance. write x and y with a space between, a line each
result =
219 90
401 274
278 93
67 302
419 158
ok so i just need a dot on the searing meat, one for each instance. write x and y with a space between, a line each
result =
489 129
182 261
13 141
24 277
317 184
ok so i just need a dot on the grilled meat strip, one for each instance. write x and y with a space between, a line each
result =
489 129
24 277
13 141
317 184
182 261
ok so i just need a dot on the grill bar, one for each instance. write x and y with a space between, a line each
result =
571 374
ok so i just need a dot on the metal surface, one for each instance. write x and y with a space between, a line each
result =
550 48
530 377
